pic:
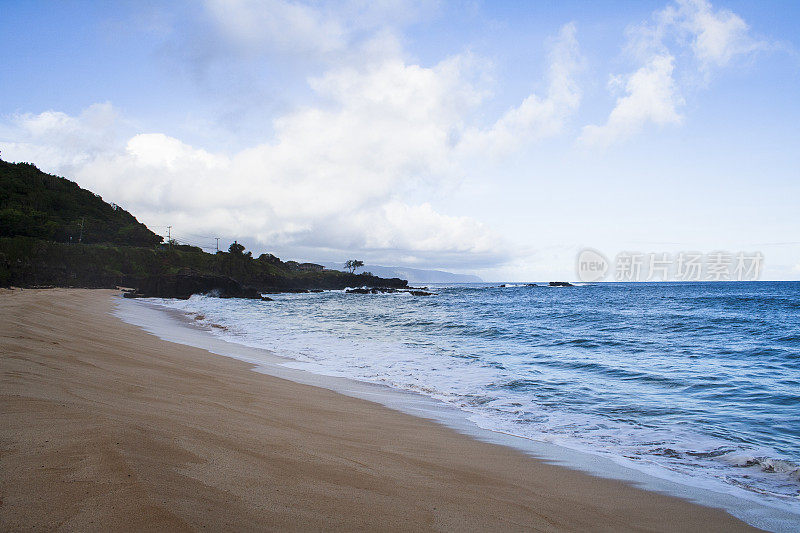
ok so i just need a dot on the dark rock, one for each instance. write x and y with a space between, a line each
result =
561 284
184 285
266 299
384 290
273 290
373 290
131 294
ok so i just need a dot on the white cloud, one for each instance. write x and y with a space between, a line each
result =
332 176
537 117
252 25
651 96
335 173
714 38
453 235
717 35
69 141
320 32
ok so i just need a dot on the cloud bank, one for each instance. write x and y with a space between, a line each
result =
335 177
355 159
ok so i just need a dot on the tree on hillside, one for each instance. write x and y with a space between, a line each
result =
239 261
353 264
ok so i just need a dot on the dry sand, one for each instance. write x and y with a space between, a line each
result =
105 427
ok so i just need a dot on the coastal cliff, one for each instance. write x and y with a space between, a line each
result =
54 233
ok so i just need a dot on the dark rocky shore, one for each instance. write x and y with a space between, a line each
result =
183 286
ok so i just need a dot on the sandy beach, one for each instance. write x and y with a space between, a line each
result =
106 427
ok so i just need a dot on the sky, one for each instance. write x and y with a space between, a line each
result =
490 138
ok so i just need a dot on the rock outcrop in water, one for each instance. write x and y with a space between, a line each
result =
381 290
561 284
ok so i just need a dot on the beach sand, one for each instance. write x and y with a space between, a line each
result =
106 427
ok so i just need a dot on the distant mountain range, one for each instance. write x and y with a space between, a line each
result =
413 275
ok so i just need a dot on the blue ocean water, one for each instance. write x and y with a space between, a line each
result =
697 382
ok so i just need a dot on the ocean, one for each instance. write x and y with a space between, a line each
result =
693 382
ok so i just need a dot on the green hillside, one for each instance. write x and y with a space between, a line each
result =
54 233
43 206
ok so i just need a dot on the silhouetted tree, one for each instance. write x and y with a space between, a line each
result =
236 249
353 264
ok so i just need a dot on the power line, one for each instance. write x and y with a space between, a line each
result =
193 241
181 240
201 236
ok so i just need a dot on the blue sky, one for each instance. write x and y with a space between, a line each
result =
496 138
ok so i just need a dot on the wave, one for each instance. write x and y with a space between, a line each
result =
641 374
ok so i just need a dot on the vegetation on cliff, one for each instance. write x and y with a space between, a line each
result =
43 206
52 232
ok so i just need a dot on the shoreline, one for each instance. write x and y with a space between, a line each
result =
106 426
181 328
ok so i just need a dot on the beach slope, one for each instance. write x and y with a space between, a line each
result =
106 427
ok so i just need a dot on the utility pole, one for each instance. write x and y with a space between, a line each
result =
80 236
169 237
217 244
